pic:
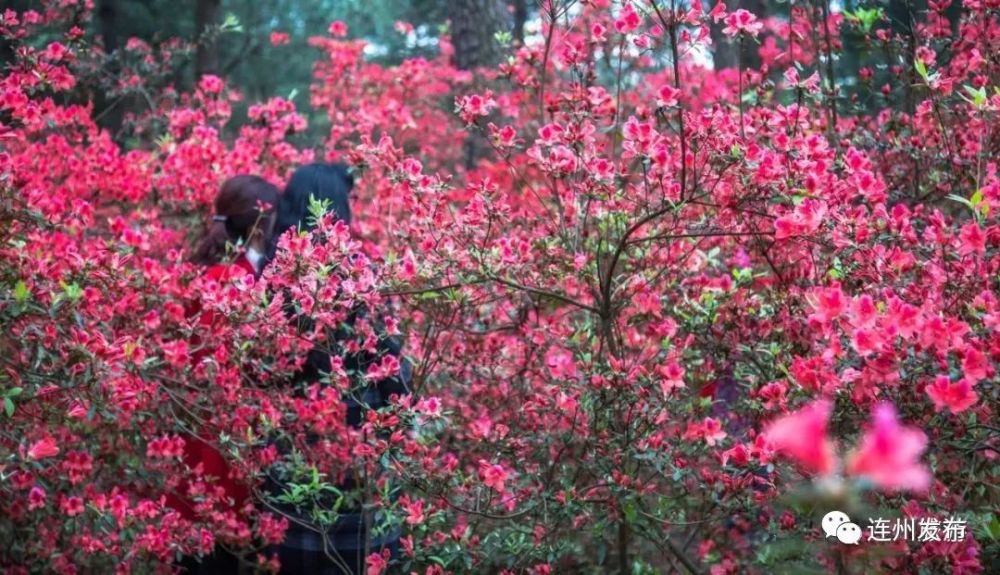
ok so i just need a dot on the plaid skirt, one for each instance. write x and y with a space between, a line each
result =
305 552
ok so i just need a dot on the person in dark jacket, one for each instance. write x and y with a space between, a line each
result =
308 547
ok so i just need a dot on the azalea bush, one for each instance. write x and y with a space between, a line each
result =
669 319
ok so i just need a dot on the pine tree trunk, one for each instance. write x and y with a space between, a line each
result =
110 113
206 15
107 15
474 24
520 17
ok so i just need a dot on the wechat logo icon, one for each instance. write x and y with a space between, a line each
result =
838 524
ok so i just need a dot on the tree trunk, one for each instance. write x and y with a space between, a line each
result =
474 24
107 15
109 113
902 18
206 15
520 17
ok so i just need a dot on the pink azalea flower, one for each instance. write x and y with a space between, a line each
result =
889 454
791 76
211 84
36 498
493 475
628 20
811 84
338 29
414 509
974 364
742 22
43 448
598 31
866 341
718 11
560 363
956 397
773 394
55 52
505 137
78 410
376 564
973 240
803 220
739 455
802 436
279 38
666 96
549 134
829 303
864 313
72 506
671 377
711 430
475 105
429 407
481 426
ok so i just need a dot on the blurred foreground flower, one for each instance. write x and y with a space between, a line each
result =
888 453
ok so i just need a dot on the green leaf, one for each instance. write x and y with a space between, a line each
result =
317 209
8 406
976 198
428 295
978 96
631 514
231 24
163 141
868 17
503 38
21 293
961 200
73 291
14 391
993 528
921 69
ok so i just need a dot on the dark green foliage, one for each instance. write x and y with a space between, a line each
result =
234 37
261 70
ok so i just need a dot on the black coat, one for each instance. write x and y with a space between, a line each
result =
356 364
348 532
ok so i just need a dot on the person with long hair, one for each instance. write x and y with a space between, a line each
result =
245 216
338 549
234 244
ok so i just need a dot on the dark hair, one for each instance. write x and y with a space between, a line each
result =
237 213
330 182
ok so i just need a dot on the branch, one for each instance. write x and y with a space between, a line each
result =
714 234
545 293
432 289
688 564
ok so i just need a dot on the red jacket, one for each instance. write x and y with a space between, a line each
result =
196 451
